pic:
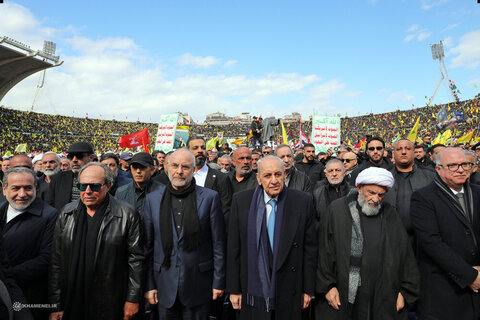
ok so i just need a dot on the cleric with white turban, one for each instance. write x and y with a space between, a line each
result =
376 176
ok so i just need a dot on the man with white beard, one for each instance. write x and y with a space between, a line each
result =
28 225
366 269
50 165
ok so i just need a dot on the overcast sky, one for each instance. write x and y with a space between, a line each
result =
138 59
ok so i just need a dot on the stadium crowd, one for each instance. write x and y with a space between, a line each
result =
386 230
48 132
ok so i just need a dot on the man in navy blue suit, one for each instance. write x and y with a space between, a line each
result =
185 239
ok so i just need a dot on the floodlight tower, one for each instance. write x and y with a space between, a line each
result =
49 49
439 54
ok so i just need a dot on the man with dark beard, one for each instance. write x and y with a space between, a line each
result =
309 165
367 269
63 187
185 239
332 188
208 177
242 178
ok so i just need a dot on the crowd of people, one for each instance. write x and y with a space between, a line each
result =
54 132
253 233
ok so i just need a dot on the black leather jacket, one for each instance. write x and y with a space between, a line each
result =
119 259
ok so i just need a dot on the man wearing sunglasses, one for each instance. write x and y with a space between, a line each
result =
445 216
374 151
97 258
63 186
350 162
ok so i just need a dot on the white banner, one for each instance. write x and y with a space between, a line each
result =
325 132
166 132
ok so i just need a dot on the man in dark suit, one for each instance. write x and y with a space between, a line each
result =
208 177
185 241
27 234
63 186
272 247
445 216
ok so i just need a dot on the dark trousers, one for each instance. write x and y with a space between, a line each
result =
180 312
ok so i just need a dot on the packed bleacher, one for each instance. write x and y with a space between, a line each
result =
43 132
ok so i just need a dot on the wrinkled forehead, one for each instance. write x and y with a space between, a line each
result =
20 178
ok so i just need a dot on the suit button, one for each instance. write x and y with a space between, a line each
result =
295 245
467 232
293 269
474 254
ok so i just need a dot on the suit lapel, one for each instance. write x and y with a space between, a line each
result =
210 179
289 229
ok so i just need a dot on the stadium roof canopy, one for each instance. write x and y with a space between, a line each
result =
18 61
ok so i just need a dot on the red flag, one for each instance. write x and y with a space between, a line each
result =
136 139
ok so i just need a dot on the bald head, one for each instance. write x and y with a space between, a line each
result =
21 160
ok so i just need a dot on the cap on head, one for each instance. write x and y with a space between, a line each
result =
80 147
142 158
126 156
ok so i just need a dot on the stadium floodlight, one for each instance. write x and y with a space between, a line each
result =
49 47
439 54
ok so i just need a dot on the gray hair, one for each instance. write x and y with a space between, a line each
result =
18 170
271 157
470 153
283 146
51 152
437 158
332 161
226 156
108 173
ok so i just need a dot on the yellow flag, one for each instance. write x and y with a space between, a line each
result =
445 136
8 154
237 142
183 127
466 138
437 139
284 133
412 136
21 148
211 143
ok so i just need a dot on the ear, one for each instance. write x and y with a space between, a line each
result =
258 179
4 190
359 188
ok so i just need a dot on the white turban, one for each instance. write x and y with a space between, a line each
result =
377 176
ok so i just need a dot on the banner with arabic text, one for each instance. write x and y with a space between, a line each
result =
325 132
165 137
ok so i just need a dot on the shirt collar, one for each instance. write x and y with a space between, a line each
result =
267 198
455 192
203 170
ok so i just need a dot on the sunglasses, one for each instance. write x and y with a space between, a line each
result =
373 148
95 187
348 160
80 155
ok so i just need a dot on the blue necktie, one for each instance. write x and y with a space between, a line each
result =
271 222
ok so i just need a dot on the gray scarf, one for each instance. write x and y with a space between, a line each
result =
356 251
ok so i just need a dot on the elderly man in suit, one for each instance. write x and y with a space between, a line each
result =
272 247
185 239
445 216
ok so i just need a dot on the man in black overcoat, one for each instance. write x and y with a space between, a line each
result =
277 280
445 216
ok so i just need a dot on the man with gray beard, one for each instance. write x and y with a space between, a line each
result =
50 166
28 225
366 269
185 241
242 178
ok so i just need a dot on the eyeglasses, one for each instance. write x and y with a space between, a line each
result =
454 166
348 160
80 155
373 148
95 187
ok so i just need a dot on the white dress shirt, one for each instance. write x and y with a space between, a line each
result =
201 175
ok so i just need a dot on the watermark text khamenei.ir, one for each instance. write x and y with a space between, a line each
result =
17 306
